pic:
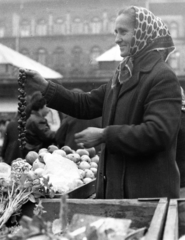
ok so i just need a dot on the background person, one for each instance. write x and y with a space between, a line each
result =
140 109
38 132
10 149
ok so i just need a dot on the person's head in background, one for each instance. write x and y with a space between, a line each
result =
38 104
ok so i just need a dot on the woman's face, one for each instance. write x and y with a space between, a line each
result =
124 31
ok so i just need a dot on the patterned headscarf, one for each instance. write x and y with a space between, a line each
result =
150 34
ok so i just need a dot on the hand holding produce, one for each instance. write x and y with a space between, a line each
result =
34 81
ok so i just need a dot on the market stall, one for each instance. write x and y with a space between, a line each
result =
53 173
50 194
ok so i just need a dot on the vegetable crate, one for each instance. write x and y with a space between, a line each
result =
150 213
175 221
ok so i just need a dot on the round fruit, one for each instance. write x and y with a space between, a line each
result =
5 170
39 172
95 159
84 165
67 149
52 148
85 158
94 165
38 164
75 157
31 157
60 152
92 152
41 156
82 173
89 173
94 170
78 182
87 180
42 150
82 152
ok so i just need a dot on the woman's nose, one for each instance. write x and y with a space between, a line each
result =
117 38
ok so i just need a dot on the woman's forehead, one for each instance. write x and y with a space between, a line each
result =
123 21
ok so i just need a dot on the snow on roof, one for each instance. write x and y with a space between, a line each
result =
10 56
112 54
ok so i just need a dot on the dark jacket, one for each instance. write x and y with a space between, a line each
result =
70 126
10 149
138 157
38 133
180 155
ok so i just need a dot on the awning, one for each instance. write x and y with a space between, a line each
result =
8 105
112 54
9 56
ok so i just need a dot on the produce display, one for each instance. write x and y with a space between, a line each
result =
67 169
49 172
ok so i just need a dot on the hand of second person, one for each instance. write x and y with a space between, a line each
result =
34 81
90 137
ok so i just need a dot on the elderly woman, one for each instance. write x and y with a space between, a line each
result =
140 109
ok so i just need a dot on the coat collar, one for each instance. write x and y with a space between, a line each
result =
143 64
146 62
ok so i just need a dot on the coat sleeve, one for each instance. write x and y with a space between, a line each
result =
78 105
160 121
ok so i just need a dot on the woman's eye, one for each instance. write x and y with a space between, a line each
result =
122 32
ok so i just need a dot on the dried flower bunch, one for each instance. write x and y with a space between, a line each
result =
20 188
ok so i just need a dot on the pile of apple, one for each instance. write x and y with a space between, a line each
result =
86 160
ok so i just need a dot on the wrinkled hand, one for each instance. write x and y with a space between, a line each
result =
34 81
90 137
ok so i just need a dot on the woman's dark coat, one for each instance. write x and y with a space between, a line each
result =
180 154
138 157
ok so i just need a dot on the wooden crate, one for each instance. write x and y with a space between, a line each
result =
82 192
150 213
175 221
